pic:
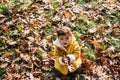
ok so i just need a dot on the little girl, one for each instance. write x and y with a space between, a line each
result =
66 52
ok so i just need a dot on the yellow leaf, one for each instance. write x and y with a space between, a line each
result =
7 54
67 14
103 25
112 1
17 50
95 43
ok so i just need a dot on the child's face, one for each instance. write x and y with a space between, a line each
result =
64 40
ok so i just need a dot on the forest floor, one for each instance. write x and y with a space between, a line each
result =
28 29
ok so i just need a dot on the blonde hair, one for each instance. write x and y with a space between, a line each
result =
63 30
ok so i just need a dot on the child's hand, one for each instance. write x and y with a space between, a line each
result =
71 68
66 60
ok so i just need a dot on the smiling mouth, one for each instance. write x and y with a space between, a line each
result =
65 43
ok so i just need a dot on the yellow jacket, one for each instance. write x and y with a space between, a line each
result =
72 51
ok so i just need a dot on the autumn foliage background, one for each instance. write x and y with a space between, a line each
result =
27 31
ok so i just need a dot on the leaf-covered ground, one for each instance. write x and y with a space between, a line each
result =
27 30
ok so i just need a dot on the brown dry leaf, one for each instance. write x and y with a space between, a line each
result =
80 22
6 29
103 61
51 53
1 1
98 54
82 56
35 51
7 54
101 31
2 19
1 48
3 65
11 22
112 1
46 24
67 14
27 58
87 61
37 23
37 38
95 43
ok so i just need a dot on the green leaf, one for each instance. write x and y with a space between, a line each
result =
4 9
56 5
90 56
40 54
91 24
2 71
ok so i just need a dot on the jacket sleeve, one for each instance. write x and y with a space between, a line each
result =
58 55
76 50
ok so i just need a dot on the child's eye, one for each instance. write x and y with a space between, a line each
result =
61 38
67 38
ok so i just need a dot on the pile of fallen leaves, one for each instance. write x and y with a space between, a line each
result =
27 30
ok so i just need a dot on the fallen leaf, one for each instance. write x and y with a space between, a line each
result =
103 25
22 1
67 14
104 62
95 43
11 22
27 58
46 24
4 65
35 51
2 19
80 22
7 54
10 42
37 23
82 56
1 48
17 50
92 30
112 1
100 31
31 38
1 1
6 29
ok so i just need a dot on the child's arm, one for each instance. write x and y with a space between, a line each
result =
76 52
58 56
